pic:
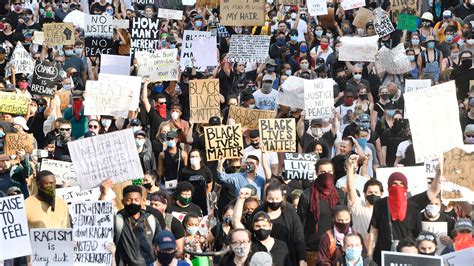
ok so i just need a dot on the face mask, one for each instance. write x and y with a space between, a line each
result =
262 234
324 46
353 254
195 161
69 52
470 41
363 96
266 87
165 258
132 209
147 186
384 97
48 195
251 106
174 115
318 33
250 168
106 122
184 201
431 45
78 51
64 134
192 230
288 72
358 76
372 198
294 38
158 88
303 49
415 42
110 12
449 38
348 101
23 85
454 54
2 134
317 131
280 42
170 143
338 48
293 15
255 145
274 205
198 23
342 227
240 250
362 143
172 46
432 210
26 18
411 58
468 140
347 32
135 129
391 112
329 35
304 66
227 220
466 63
140 142
163 43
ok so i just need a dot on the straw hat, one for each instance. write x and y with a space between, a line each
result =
430 38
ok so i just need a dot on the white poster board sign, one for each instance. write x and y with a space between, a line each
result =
51 247
188 51
362 49
170 14
63 171
248 48
114 64
426 115
416 177
22 61
291 93
133 83
318 98
160 66
74 193
317 7
107 98
394 61
352 4
463 257
113 155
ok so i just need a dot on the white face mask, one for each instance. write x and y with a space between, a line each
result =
470 41
251 106
304 66
174 115
432 210
316 131
357 76
293 15
195 161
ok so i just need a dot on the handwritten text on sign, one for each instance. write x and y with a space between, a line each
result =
242 13
160 66
44 78
12 103
249 117
93 230
107 98
458 168
144 35
278 134
300 166
64 171
248 48
14 239
51 247
98 32
18 141
188 50
204 99
113 155
318 98
382 24
21 59
59 33
223 141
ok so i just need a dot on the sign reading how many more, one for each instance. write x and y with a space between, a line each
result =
204 99
318 98
58 33
93 229
63 171
278 135
145 34
242 13
247 117
99 32
223 142
18 141
300 166
44 78
22 61
113 155
160 66
14 237
12 103
382 24
248 48
51 247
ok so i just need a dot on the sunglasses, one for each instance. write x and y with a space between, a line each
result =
94 126
425 237
65 129
356 73
161 102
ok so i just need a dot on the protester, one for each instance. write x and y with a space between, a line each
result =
426 243
183 196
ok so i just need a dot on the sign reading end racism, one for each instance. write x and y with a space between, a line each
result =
223 142
278 134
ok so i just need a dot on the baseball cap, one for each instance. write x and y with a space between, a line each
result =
20 120
140 133
165 240
316 122
135 122
364 118
447 14
2 50
170 135
13 191
89 134
463 224
271 62
469 130
252 188
261 216
471 102
214 121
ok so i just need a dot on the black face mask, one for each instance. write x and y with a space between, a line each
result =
165 258
372 198
397 126
262 234
132 209
274 205
255 145
429 254
147 185
384 96
466 63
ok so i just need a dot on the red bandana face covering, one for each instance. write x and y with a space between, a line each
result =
77 108
397 202
463 241
161 109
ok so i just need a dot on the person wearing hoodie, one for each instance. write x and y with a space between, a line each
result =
147 157
15 175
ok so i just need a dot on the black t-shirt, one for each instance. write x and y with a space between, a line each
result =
199 179
442 218
279 229
410 227
328 139
190 208
184 100
279 252
97 5
391 140
27 32
35 125
3 66
339 170
155 120
12 38
157 214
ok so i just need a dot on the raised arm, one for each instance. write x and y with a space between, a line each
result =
351 165
239 206
144 96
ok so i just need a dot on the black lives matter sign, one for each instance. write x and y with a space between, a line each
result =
223 142
98 33
145 35
44 78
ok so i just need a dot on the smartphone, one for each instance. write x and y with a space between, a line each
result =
10 88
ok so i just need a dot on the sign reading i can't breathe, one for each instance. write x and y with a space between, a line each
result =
98 31
223 142
44 78
145 35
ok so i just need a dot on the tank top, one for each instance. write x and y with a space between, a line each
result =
172 165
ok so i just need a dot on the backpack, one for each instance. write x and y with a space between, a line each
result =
119 222
332 243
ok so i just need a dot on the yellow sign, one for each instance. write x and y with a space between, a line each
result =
12 103
278 135
223 142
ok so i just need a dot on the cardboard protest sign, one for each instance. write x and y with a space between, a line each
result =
439 229
58 33
394 61
352 46
291 93
44 78
113 155
426 114
417 181
242 13
98 33
188 50
289 2
22 61
407 22
459 258
115 64
351 4
38 37
145 34
63 171
170 14
223 142
74 193
12 103
363 15
204 99
382 24
399 7
133 83
317 7
18 141
51 247
458 169
104 98
318 98
248 118
398 258
300 166
14 236
93 223
248 48
160 66
278 135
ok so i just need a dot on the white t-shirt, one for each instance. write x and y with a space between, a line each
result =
302 29
346 113
266 101
361 215
402 148
323 55
272 158
359 184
